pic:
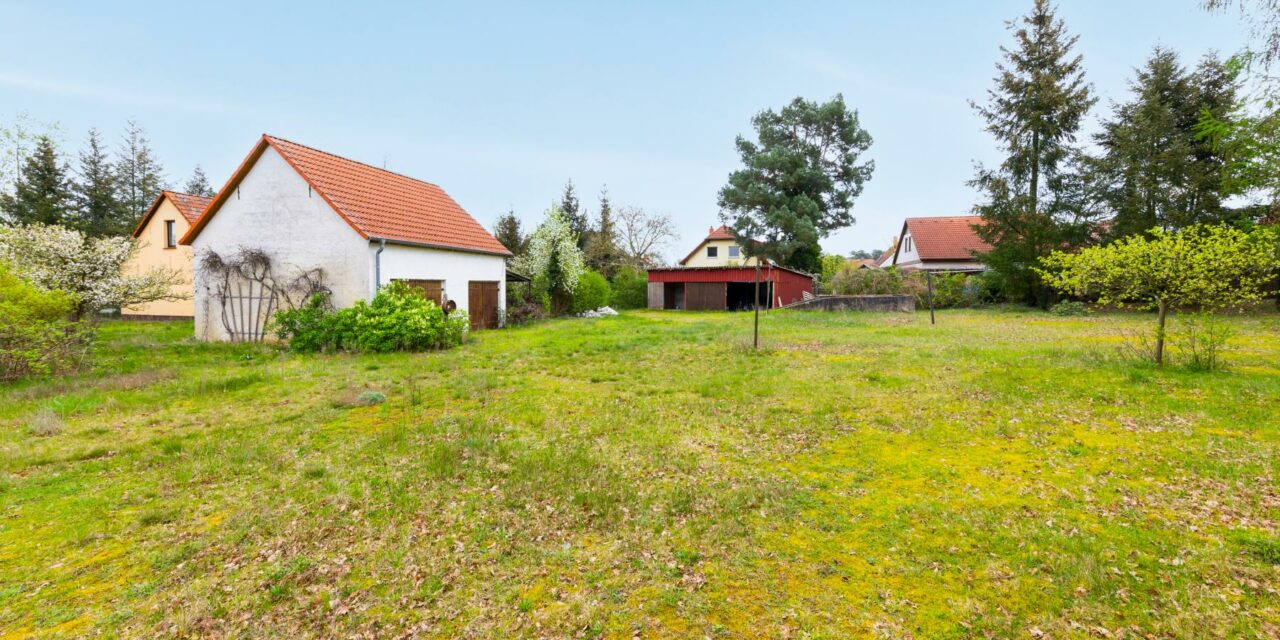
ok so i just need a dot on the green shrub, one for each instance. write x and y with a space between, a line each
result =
37 336
630 289
948 291
1069 308
525 313
398 319
592 292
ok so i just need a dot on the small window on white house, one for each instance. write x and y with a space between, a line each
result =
734 251
170 238
908 243
712 251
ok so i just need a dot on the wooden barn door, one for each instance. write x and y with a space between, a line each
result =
705 296
433 290
482 304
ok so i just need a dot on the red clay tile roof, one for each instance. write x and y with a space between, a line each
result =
721 232
376 203
189 205
946 238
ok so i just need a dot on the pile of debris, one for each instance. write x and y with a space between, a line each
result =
598 313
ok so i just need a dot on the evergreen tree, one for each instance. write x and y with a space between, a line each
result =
138 174
602 247
198 184
507 231
797 184
1156 169
98 211
573 213
42 193
1032 200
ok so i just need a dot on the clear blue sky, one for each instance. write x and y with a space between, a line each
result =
501 103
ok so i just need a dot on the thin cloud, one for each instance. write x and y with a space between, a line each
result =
99 94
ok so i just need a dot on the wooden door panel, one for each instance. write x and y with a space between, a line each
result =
482 304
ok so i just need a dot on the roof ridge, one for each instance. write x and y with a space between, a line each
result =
184 193
346 159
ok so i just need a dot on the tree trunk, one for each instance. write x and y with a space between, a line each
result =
755 331
1162 310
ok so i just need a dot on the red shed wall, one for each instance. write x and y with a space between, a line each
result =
788 285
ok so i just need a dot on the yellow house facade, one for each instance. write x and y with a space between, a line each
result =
718 249
168 219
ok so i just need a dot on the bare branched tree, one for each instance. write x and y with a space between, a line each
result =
642 236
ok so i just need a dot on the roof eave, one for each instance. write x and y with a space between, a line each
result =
443 247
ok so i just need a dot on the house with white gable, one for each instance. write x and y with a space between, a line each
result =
944 244
354 226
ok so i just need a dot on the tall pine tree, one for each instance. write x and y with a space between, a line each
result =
574 214
42 192
198 184
1031 200
98 210
507 231
1156 170
602 247
138 174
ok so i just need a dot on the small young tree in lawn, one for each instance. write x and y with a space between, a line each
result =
554 261
797 184
57 258
1208 267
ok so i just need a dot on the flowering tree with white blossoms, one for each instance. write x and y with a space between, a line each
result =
57 258
554 260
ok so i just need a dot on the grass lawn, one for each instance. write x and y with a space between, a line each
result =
1003 474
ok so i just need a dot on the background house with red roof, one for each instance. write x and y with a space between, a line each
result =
718 249
361 225
940 244
167 220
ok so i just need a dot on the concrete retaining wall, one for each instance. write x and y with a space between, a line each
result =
902 303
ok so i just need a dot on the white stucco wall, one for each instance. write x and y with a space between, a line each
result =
274 209
907 257
455 268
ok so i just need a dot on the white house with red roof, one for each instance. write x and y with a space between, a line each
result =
362 226
940 244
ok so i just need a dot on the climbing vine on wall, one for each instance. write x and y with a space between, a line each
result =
247 290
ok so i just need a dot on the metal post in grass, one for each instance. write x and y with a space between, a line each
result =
755 331
928 277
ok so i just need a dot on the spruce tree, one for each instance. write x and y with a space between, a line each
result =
42 192
98 210
573 213
139 176
1156 170
198 184
507 231
602 249
1031 203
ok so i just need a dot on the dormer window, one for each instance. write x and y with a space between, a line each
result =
713 252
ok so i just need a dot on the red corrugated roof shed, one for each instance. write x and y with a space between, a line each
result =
946 238
376 203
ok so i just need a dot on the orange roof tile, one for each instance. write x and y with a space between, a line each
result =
946 238
187 204
376 203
